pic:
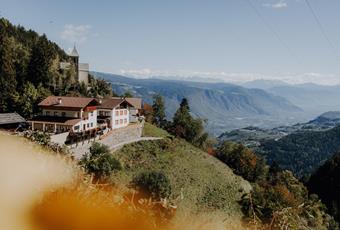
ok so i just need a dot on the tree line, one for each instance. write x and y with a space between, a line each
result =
183 124
278 200
30 71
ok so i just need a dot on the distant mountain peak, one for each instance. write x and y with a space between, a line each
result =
331 115
264 84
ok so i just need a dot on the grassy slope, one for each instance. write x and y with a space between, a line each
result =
206 184
152 131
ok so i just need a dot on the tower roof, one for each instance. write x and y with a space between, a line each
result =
74 52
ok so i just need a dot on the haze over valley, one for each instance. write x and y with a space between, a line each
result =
225 106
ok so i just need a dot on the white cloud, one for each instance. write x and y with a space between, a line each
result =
76 33
278 5
317 78
140 73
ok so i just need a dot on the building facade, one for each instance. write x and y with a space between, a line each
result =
66 114
115 111
134 109
79 114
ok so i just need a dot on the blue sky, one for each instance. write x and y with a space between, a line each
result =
226 39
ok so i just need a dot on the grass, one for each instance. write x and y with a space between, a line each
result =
200 183
153 131
62 197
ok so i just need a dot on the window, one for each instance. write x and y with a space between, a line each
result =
125 121
55 114
117 113
91 114
125 112
91 125
121 112
88 125
76 127
47 113
63 114
121 121
116 122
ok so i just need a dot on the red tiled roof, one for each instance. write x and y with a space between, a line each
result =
110 103
59 120
134 101
72 122
67 102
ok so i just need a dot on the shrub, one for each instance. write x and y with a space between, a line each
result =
38 137
100 162
156 184
242 160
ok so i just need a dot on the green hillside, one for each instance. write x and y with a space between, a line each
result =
303 152
152 131
200 183
325 182
30 71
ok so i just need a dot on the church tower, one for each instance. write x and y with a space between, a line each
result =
75 58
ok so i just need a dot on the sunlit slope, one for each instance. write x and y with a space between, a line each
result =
200 183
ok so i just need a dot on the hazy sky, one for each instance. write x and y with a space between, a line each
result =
230 39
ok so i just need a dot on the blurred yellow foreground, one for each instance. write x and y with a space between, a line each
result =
41 190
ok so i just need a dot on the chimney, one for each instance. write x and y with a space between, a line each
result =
59 100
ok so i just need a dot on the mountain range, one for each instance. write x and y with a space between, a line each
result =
314 99
225 106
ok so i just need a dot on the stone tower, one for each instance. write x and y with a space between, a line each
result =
75 58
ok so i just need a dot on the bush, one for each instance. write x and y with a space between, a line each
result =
242 160
100 161
156 184
39 137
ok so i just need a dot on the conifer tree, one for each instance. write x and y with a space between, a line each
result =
7 73
41 60
187 127
158 111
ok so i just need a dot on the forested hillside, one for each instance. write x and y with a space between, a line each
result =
29 71
303 152
325 182
278 200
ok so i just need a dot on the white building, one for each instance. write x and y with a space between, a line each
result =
115 112
66 114
135 109
83 73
